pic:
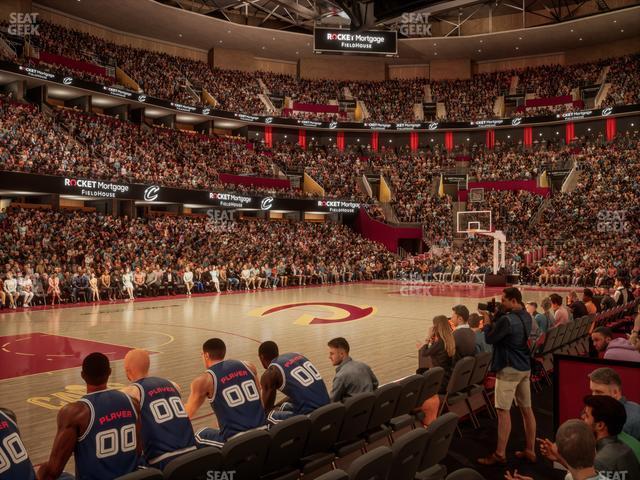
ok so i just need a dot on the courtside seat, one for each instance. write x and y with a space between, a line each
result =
383 409
356 419
408 451
477 396
334 475
465 474
374 465
246 453
194 464
437 446
411 389
454 399
326 423
288 442
545 357
146 474
430 387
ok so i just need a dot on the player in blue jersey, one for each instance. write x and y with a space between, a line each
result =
14 459
295 376
231 387
101 429
166 429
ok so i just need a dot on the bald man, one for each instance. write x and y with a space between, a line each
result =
166 429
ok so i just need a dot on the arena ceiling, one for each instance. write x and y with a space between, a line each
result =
181 26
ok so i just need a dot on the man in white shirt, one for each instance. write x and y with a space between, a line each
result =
25 287
621 295
11 289
245 276
257 279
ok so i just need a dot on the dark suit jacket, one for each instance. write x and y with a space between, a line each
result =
165 278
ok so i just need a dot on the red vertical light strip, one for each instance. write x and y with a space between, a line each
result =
413 138
268 135
340 141
302 138
491 139
569 130
448 140
612 128
375 139
528 136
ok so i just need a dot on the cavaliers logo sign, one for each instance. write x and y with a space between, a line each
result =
336 312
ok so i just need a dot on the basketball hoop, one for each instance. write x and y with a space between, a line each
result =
472 234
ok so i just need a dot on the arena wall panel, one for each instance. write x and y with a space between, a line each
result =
119 37
276 66
499 65
408 71
342 68
605 50
230 58
450 69
10 6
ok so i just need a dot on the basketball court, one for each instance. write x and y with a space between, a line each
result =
41 350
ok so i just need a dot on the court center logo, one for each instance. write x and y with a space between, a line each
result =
151 193
342 312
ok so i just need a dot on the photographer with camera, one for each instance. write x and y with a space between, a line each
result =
508 331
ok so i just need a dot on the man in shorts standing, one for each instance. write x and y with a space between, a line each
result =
511 360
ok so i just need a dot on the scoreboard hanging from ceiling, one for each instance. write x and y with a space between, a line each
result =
340 41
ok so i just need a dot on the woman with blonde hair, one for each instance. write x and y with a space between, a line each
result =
440 348
548 312
93 285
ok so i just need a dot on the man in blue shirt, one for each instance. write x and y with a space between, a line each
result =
509 334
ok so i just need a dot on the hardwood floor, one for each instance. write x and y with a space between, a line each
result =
42 349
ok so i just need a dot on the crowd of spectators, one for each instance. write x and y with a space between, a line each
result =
182 80
471 99
510 161
546 81
100 146
76 247
511 210
625 85
302 90
389 100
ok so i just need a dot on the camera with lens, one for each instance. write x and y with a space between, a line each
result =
494 308
491 306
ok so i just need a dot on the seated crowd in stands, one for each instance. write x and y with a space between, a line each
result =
184 80
90 257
